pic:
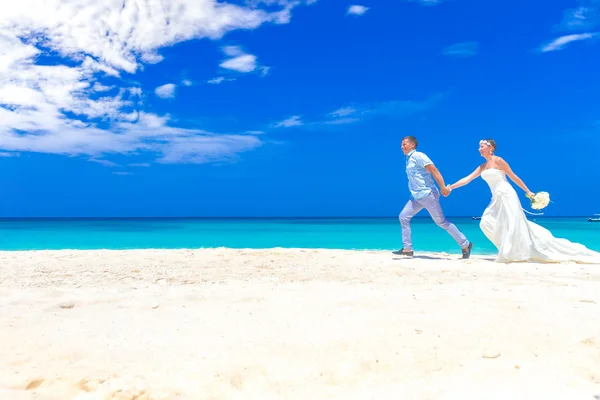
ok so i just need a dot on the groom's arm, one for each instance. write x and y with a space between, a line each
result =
437 175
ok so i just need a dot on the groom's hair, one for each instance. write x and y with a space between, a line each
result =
411 139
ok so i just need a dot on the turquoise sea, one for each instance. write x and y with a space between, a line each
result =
339 233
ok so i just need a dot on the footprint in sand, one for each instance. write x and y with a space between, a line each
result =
591 341
128 388
34 384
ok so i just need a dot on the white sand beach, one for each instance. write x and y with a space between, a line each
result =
294 324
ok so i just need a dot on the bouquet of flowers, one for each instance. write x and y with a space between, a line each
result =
540 200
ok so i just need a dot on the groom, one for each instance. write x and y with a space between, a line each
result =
424 194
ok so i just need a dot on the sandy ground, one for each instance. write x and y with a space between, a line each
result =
294 324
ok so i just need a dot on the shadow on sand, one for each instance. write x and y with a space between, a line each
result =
421 257
449 258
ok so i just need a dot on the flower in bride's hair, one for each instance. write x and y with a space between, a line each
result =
540 200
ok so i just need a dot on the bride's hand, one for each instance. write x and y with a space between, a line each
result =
530 195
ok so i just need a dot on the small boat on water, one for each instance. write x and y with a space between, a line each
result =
594 218
476 218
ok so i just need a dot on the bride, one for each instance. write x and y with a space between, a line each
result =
504 222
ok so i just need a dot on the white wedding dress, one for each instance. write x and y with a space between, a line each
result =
517 239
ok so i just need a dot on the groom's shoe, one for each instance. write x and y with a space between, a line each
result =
467 252
403 252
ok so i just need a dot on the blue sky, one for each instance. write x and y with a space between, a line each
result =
291 108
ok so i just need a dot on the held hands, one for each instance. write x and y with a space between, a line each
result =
446 191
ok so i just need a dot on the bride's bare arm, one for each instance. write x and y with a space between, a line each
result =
464 181
506 168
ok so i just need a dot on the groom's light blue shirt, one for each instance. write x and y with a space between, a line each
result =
420 181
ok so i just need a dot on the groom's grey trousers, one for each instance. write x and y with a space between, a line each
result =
431 203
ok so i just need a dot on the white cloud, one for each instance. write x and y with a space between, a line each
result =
578 23
219 79
151 58
139 165
232 51
360 112
255 132
465 49
98 87
207 148
117 32
9 154
135 91
243 63
56 57
166 91
238 61
105 163
339 121
149 133
343 116
216 81
357 10
355 113
289 122
343 112
187 82
264 71
561 42
584 17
